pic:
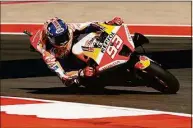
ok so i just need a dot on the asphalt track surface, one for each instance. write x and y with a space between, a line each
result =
16 47
136 97
50 87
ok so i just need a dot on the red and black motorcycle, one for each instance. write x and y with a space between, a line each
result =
114 55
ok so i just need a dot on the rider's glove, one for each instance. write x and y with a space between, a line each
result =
87 72
70 80
116 21
67 81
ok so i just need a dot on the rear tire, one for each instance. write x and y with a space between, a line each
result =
161 79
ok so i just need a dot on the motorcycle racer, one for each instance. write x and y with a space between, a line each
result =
55 40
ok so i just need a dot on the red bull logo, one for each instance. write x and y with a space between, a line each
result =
143 63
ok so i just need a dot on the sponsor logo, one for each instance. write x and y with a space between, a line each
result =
55 67
94 43
59 30
106 42
110 65
143 63
88 49
89 43
97 44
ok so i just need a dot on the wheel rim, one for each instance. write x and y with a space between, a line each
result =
161 82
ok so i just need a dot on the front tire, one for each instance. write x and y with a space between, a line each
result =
161 79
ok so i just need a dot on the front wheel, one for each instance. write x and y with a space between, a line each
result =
160 79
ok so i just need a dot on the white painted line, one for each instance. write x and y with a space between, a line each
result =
32 99
70 110
167 36
169 25
23 0
15 23
11 33
15 33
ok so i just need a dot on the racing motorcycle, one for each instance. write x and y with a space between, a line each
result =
113 54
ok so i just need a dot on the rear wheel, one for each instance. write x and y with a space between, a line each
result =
160 79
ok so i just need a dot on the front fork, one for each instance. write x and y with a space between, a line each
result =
140 62
136 67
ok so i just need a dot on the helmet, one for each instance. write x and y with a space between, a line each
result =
57 31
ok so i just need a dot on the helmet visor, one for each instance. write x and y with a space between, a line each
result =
60 40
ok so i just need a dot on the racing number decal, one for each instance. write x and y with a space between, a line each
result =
112 50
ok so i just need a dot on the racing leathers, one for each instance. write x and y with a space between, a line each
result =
51 54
